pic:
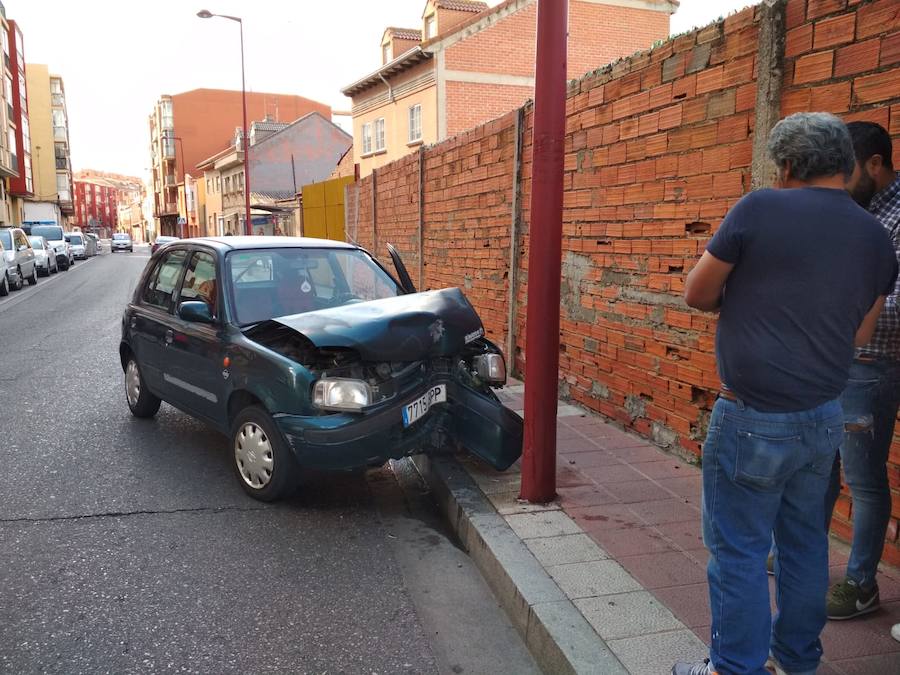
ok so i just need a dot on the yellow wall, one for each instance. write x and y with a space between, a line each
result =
213 201
396 121
323 209
37 82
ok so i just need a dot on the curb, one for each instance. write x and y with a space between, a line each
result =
556 633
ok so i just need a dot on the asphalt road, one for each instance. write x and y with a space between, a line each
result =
127 545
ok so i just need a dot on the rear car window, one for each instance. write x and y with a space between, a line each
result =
200 281
163 280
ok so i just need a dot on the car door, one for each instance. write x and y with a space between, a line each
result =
25 254
195 356
152 320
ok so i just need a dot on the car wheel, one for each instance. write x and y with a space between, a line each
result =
263 462
20 282
4 286
141 402
32 280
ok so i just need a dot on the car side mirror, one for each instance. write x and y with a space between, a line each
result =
196 311
23 247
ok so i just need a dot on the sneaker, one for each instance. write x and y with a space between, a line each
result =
698 668
770 565
848 599
774 667
895 632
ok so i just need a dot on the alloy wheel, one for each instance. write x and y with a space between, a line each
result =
132 383
254 456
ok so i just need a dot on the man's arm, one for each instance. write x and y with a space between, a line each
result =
867 327
704 285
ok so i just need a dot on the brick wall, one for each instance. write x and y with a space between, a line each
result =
470 104
658 148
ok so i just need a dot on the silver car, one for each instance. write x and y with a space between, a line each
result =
19 257
44 256
56 238
121 241
79 248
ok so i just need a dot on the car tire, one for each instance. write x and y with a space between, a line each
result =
141 402
32 280
263 463
20 281
4 286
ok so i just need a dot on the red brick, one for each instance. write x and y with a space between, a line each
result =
813 67
857 58
710 79
795 14
798 40
890 50
879 87
877 18
834 31
817 8
833 98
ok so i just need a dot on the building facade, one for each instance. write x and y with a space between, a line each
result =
472 63
100 198
53 199
187 128
9 161
22 186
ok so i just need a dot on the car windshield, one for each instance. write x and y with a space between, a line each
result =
75 239
37 243
266 283
48 232
121 236
6 239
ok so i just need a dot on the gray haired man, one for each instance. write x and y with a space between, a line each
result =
799 276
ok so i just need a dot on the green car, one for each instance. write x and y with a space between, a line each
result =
308 354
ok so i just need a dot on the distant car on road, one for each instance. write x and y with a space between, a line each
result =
44 256
308 354
121 241
19 257
161 241
56 238
76 241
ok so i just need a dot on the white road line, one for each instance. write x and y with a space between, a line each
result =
15 297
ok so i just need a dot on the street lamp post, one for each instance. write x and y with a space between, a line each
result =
206 14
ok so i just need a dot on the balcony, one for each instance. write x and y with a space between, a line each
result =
171 207
57 100
170 180
60 134
62 162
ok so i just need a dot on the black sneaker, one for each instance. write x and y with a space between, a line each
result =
848 600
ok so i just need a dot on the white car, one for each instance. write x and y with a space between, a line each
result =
19 257
56 238
121 241
4 273
79 248
44 256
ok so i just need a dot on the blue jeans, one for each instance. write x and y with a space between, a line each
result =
765 474
870 404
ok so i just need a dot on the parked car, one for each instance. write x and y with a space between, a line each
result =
76 241
308 353
56 238
19 257
161 241
44 256
121 241
92 244
5 284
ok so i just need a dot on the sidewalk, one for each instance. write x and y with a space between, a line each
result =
623 543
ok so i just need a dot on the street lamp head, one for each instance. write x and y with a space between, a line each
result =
205 14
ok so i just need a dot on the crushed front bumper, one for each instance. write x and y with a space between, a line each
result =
344 441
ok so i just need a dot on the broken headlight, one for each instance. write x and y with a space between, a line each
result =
490 367
341 394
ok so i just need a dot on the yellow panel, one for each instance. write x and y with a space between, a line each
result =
314 222
334 217
314 194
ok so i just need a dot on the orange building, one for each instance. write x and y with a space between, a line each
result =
470 63
204 120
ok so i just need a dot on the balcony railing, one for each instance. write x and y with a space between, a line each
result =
62 163
59 134
57 100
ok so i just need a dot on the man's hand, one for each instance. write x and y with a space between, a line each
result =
704 285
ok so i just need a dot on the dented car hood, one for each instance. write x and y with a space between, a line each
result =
410 327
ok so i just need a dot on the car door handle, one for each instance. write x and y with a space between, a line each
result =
170 336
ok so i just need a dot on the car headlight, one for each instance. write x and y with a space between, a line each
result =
491 368
341 394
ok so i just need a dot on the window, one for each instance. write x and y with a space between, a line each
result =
207 185
415 123
379 134
218 183
227 184
200 281
62 187
430 27
163 280
367 138
13 159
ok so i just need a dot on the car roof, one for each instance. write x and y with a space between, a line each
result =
245 242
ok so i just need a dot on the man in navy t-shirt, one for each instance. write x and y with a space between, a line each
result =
799 277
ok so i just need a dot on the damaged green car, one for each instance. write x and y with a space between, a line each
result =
309 354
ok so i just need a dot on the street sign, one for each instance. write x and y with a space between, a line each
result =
182 221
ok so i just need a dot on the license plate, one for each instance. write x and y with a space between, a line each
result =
417 409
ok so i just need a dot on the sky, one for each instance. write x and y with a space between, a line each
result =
117 56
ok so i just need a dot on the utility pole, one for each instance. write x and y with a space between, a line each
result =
545 250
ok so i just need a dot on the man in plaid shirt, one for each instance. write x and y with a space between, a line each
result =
872 396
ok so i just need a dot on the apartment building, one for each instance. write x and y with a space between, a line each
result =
52 200
98 196
187 128
9 160
468 63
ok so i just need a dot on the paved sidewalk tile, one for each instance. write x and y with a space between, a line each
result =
689 603
633 541
661 570
599 577
542 524
627 615
654 654
565 549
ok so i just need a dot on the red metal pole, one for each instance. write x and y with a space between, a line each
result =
545 251
246 139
